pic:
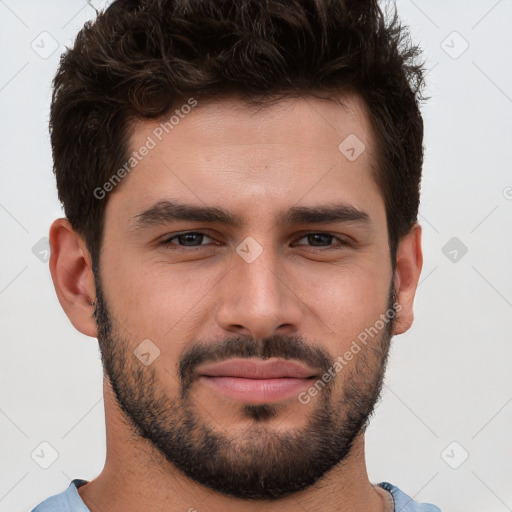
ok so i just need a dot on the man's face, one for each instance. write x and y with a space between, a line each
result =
278 283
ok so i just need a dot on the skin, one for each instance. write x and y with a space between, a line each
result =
255 164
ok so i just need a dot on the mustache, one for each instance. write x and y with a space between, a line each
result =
284 347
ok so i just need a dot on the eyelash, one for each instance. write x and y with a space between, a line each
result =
168 242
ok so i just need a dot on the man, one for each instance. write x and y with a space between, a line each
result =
241 186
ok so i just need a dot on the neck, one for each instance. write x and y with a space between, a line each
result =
137 477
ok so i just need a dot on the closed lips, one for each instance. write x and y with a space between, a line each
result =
257 369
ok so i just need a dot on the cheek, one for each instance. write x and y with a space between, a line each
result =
347 300
161 303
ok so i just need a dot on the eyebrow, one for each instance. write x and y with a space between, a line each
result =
164 212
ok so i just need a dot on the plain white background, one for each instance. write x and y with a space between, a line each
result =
448 390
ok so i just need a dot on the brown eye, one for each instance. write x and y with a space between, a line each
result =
322 240
188 239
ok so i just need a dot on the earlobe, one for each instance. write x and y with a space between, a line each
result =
71 270
409 261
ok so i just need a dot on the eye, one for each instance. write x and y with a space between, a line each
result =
188 239
322 240
195 239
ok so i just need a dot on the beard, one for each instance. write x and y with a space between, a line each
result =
262 463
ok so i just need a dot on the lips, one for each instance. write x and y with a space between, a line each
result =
256 381
257 369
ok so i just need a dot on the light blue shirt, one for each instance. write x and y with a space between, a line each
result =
70 500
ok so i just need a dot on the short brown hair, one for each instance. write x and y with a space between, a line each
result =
138 57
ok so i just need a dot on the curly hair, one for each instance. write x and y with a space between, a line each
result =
139 58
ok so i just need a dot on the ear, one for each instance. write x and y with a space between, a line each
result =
409 261
71 270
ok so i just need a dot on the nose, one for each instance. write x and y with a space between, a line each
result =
258 299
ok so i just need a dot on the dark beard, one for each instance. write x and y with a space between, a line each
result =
263 463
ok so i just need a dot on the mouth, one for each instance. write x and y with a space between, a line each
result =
257 381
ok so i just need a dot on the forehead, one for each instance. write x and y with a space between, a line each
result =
226 152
